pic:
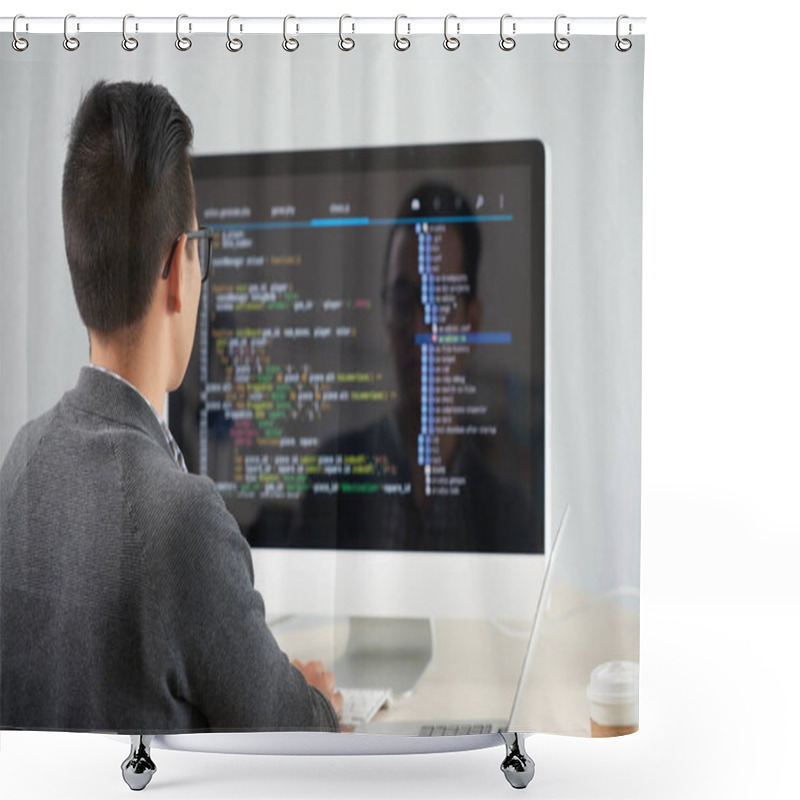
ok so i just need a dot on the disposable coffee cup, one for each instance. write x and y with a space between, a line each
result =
613 694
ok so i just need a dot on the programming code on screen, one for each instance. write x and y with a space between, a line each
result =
369 364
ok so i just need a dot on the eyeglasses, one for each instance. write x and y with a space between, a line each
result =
205 239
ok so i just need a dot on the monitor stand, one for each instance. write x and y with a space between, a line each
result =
385 654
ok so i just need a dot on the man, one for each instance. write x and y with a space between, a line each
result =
127 599
489 514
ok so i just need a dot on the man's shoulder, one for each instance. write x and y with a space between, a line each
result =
25 444
68 443
152 479
179 518
113 463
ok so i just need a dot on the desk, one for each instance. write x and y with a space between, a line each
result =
477 663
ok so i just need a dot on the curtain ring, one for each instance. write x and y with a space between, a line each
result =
18 43
183 43
289 44
561 43
623 45
70 42
401 42
346 42
233 44
507 42
128 42
451 42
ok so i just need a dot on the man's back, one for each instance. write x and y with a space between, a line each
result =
127 589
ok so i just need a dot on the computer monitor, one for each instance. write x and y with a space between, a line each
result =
367 387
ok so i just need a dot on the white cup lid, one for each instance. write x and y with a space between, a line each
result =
614 682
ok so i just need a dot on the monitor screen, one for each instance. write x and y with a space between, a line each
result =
369 366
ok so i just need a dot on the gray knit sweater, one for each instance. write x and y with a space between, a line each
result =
127 601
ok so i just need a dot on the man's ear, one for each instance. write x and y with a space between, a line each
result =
175 277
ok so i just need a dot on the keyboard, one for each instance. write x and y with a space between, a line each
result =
429 728
464 729
361 705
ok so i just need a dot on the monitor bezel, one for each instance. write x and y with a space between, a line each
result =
396 583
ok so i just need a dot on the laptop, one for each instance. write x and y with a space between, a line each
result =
469 727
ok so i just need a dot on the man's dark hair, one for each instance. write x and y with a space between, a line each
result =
126 194
442 200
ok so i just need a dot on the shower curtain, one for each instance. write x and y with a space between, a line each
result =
416 378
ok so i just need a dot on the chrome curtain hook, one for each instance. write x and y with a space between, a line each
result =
346 42
401 42
507 42
561 43
18 43
128 42
623 45
233 44
70 42
451 42
290 44
182 42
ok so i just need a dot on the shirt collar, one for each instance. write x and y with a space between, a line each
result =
105 393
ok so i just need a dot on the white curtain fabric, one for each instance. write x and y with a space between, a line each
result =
585 106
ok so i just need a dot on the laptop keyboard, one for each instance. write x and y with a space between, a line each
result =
455 730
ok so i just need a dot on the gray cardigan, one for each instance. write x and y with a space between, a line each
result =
127 601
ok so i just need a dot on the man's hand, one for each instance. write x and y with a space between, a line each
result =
317 676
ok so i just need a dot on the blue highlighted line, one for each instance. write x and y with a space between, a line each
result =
336 222
479 337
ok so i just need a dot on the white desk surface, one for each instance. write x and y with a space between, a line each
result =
477 663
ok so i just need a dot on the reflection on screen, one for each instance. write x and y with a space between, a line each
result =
369 365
